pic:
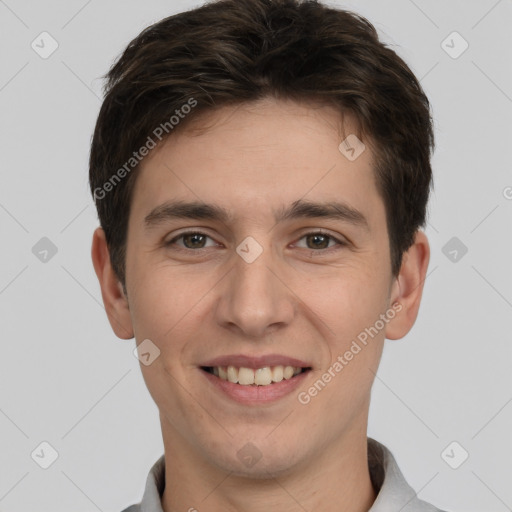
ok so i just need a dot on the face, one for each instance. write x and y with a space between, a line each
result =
260 279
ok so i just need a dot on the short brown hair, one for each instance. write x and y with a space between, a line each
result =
237 51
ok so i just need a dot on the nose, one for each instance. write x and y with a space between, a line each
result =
255 299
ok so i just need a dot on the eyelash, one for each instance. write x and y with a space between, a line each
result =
340 243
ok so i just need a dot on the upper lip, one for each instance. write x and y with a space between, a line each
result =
254 362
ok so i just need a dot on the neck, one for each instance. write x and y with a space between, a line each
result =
336 479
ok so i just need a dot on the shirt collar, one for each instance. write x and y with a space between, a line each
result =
393 492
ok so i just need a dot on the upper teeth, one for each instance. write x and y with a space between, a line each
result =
260 376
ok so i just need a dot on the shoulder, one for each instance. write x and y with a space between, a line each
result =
393 491
132 508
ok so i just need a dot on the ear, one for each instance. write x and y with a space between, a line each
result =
114 299
407 288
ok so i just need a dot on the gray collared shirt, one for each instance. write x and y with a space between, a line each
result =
393 492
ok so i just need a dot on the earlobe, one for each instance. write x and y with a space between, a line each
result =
408 287
114 298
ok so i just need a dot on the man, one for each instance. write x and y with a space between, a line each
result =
261 169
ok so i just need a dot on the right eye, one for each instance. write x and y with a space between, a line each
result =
191 240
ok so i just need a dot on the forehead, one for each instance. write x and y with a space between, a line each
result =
257 158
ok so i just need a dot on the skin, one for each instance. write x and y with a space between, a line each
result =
200 303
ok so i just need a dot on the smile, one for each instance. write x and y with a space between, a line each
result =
264 376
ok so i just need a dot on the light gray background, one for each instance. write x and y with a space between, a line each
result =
66 379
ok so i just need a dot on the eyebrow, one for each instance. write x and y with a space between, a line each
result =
300 209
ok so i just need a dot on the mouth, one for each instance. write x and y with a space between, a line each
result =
254 377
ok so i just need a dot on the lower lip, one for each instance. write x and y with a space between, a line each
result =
256 394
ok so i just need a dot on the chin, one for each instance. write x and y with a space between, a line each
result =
257 460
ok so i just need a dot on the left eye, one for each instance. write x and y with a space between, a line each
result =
320 240
196 240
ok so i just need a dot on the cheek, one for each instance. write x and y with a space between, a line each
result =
159 302
354 343
353 301
356 336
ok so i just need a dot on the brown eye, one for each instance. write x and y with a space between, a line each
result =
318 241
190 240
194 240
321 241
